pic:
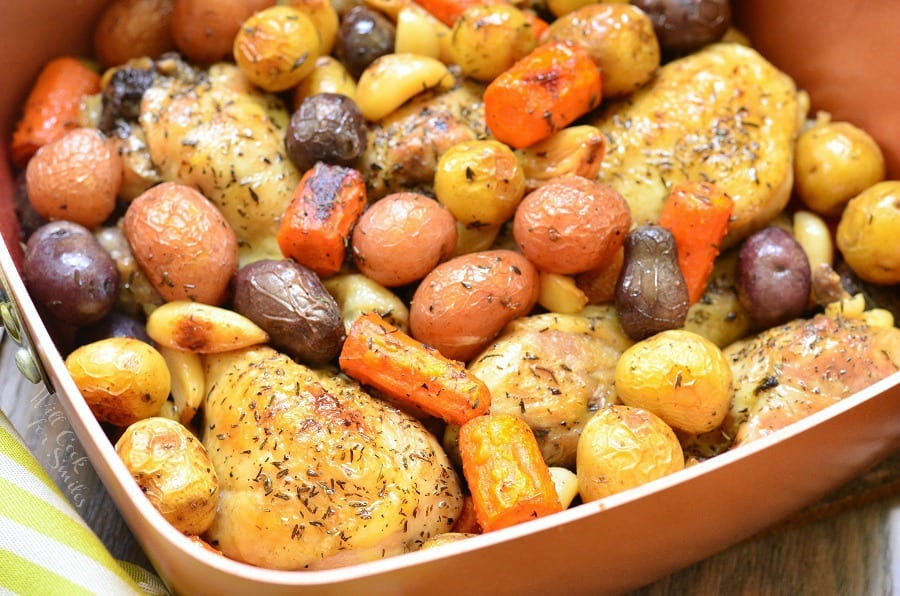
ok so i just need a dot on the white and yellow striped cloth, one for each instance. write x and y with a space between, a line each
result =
45 546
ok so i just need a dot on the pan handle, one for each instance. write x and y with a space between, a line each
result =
27 360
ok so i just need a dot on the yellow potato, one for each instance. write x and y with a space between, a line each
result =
173 469
867 233
619 37
834 162
122 379
277 47
623 447
680 376
488 39
481 182
329 76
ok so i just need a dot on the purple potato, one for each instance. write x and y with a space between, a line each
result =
683 26
70 274
289 302
651 293
327 127
773 277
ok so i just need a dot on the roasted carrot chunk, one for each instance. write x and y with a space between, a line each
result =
448 11
379 354
506 473
53 106
542 93
316 225
697 214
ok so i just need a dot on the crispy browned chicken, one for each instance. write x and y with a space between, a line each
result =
403 149
789 372
314 473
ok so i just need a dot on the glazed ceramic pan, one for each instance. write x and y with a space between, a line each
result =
607 546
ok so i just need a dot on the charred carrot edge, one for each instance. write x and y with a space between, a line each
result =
379 354
52 107
697 214
506 473
542 93
317 222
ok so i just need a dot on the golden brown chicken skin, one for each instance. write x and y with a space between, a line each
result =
789 372
314 472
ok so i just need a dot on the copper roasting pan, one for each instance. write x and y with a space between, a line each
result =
607 546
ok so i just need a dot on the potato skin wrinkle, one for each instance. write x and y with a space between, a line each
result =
465 302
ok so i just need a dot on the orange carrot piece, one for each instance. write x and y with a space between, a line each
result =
379 354
448 11
542 93
52 107
506 473
697 214
317 223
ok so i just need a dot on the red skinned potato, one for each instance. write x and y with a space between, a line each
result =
182 243
75 178
461 306
204 30
130 29
402 237
571 225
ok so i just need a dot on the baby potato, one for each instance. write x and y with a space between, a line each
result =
834 162
620 39
329 76
773 276
289 302
325 18
130 29
487 39
680 376
277 47
461 306
867 233
174 470
481 182
182 243
204 30
402 237
122 379
76 178
571 225
474 237
599 285
622 447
